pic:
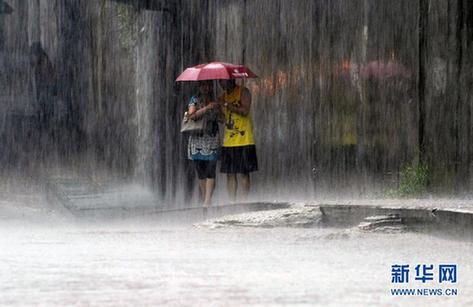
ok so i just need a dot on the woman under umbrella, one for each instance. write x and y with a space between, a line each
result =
204 147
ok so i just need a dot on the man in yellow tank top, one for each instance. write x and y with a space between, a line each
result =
238 150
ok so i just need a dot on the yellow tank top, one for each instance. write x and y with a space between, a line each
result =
238 128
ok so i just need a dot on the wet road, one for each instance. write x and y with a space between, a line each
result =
142 264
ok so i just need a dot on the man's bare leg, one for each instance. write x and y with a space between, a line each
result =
232 185
209 190
245 185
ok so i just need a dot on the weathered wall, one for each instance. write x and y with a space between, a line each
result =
23 24
335 104
348 91
447 100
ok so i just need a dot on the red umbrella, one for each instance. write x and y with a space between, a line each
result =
214 71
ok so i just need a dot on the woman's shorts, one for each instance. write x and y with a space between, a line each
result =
239 159
205 169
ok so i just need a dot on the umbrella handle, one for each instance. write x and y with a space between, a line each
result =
215 89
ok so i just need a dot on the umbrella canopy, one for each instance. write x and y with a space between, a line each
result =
214 71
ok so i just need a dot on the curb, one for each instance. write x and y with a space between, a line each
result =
432 220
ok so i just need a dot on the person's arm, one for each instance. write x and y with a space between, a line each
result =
245 103
194 113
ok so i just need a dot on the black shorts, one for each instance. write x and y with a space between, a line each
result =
239 160
205 169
